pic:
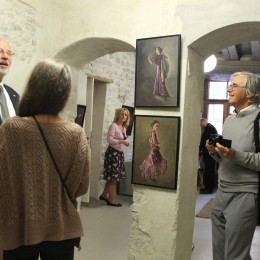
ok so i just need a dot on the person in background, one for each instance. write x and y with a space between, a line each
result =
9 98
235 207
209 163
38 214
114 156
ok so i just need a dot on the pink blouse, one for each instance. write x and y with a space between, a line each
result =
114 135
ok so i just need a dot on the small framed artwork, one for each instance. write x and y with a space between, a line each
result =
81 110
157 77
156 151
131 121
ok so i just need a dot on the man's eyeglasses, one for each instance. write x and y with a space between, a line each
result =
9 53
235 87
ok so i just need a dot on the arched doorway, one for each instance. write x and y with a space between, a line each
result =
198 51
91 90
86 50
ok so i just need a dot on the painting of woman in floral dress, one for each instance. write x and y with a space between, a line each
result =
154 164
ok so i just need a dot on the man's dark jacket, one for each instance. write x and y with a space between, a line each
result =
14 96
209 129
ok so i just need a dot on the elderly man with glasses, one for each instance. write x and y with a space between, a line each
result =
8 97
235 208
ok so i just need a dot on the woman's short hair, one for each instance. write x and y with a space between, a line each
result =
47 90
252 85
120 111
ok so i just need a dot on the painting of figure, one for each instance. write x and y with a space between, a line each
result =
154 164
157 81
156 151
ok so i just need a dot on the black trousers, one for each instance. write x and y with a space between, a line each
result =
208 177
47 250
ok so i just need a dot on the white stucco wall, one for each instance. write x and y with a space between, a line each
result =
162 220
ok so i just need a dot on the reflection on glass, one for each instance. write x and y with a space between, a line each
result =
215 116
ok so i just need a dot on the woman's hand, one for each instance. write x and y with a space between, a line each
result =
124 142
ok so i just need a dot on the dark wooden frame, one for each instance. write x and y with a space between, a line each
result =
145 72
81 110
169 137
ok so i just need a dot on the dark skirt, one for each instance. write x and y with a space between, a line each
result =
60 250
114 165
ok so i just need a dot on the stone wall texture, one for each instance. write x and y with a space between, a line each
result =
119 67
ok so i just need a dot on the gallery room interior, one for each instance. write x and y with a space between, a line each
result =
106 45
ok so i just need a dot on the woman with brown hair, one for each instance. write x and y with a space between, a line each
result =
44 167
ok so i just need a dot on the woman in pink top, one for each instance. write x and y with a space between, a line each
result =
114 156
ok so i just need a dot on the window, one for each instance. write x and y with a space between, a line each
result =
231 110
218 90
215 116
216 107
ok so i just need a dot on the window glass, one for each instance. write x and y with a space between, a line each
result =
218 90
215 116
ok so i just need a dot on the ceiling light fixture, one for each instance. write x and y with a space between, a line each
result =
210 63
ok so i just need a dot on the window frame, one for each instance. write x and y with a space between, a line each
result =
207 101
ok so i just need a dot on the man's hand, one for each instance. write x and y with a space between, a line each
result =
210 148
224 152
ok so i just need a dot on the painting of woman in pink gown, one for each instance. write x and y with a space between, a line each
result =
154 164
162 69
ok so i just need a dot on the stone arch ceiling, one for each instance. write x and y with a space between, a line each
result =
89 49
236 46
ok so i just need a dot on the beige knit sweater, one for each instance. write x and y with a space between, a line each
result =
34 206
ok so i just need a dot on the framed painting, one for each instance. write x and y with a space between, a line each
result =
157 77
81 110
131 122
156 151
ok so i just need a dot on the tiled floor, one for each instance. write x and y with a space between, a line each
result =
107 232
